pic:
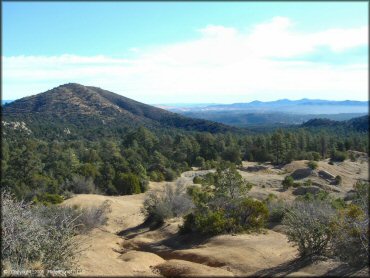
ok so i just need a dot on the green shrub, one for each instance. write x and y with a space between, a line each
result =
309 227
316 156
338 156
307 183
312 164
249 215
208 223
127 184
229 183
169 174
350 241
197 180
47 199
287 182
207 179
338 180
244 215
352 157
199 162
276 210
156 176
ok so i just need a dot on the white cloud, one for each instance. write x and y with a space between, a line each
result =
223 65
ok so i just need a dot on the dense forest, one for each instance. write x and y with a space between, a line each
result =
123 163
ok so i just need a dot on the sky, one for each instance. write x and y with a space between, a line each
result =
186 52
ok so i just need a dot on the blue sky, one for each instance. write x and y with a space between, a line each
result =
188 52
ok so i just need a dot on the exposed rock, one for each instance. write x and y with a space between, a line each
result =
254 168
326 175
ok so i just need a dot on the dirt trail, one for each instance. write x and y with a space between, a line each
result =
125 246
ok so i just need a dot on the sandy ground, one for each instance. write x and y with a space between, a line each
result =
125 246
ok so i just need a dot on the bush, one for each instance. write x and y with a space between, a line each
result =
156 176
307 183
338 180
169 174
316 156
338 156
229 183
276 209
288 182
208 223
249 215
312 164
172 202
90 218
197 180
207 179
309 227
351 237
37 237
47 199
80 185
241 215
199 161
127 184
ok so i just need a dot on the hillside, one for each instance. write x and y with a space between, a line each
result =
360 124
126 246
83 106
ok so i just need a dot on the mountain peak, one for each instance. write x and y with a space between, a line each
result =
73 102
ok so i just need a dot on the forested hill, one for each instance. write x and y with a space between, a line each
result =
360 124
77 106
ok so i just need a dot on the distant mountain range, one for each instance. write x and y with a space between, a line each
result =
303 106
275 113
81 106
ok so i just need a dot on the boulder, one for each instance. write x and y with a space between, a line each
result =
326 175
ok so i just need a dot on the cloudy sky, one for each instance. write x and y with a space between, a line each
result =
189 52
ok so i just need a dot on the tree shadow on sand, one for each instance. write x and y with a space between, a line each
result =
145 227
283 269
175 241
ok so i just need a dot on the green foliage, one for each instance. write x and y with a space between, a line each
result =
127 184
316 156
309 227
224 207
312 164
244 215
229 183
156 176
199 162
338 156
288 182
208 223
350 241
276 208
47 199
338 180
307 182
